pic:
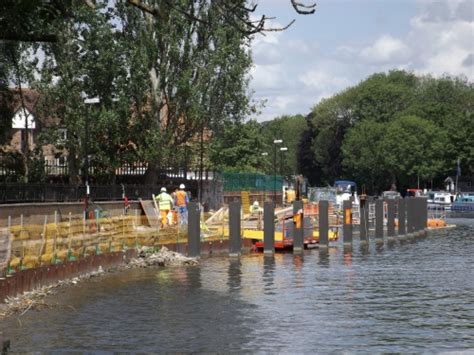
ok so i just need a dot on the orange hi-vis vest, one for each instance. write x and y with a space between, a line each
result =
181 198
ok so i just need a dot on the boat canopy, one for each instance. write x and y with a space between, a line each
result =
345 185
414 192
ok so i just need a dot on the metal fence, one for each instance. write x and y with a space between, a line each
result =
16 192
251 182
59 168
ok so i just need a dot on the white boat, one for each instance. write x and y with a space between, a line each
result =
440 200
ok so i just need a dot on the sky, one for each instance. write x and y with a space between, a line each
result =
346 41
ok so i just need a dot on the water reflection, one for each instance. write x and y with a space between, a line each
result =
268 274
234 274
323 259
379 247
364 249
391 243
193 274
348 257
298 266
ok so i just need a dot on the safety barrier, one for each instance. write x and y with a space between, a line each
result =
27 246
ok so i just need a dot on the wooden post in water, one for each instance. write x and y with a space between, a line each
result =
364 221
424 208
194 230
401 217
390 218
417 215
234 228
269 227
323 224
379 221
298 226
347 222
410 216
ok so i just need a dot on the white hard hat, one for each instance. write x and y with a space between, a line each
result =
255 203
163 189
181 186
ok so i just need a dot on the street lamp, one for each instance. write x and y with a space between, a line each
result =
264 162
275 142
87 101
282 149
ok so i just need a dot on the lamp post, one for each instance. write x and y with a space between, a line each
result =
265 154
87 101
282 149
275 142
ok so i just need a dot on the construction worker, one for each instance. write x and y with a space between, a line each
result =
181 201
165 204
255 208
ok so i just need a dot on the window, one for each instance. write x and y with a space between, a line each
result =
61 161
62 134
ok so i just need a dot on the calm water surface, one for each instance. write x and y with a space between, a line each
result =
415 296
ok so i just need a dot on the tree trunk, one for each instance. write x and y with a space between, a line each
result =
151 174
74 177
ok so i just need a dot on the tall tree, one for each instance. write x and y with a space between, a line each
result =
238 148
289 129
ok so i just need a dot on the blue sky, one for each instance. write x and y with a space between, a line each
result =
345 41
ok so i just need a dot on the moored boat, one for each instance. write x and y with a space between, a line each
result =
440 200
464 203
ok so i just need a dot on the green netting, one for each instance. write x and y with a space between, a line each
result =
251 182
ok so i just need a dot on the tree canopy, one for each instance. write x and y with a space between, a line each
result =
393 128
162 74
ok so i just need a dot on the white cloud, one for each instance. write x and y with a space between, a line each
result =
267 77
442 43
293 72
323 80
265 54
386 49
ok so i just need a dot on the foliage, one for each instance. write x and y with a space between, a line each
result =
161 82
238 148
289 129
363 160
393 128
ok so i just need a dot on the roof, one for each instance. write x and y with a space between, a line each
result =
344 182
12 100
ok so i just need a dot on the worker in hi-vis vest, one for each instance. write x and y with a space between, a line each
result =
165 204
181 202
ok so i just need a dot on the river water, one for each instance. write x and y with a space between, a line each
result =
414 296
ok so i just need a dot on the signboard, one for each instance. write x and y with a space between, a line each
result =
151 213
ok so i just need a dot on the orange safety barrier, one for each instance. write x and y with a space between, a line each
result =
436 223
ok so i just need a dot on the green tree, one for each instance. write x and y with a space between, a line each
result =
197 77
289 129
382 97
238 148
413 147
331 119
448 102
363 159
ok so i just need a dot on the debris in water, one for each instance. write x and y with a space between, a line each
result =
149 256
